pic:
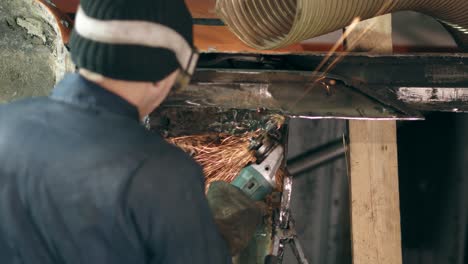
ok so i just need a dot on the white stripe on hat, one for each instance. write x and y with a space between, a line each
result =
128 32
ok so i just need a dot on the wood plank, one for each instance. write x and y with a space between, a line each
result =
212 38
221 39
198 8
373 35
375 207
67 6
202 8
375 201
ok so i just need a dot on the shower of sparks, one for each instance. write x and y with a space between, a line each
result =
339 43
223 156
321 73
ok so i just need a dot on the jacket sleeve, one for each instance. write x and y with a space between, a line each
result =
166 198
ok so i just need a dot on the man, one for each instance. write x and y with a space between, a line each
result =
81 180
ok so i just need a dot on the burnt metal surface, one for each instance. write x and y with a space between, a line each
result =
428 98
292 93
181 121
391 80
419 70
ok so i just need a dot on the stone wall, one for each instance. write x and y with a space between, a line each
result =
32 56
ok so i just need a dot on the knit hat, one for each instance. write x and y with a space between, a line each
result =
133 40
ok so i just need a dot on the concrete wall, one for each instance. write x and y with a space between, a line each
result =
32 57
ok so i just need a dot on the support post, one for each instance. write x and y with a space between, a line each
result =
375 206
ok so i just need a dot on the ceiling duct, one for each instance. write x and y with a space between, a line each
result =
271 24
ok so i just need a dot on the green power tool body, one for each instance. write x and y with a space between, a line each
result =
258 180
237 215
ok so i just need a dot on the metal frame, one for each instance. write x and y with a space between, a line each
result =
397 83
291 93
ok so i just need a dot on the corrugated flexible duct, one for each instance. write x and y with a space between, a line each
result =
271 24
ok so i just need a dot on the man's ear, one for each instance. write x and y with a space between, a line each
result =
168 82
157 85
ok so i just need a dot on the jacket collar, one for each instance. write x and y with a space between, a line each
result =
76 90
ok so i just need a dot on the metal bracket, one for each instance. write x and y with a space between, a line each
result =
284 229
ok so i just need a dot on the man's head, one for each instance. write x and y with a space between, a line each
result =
138 49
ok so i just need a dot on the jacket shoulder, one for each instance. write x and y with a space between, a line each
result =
166 153
16 110
168 164
21 106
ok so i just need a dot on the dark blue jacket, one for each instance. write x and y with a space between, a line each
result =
81 181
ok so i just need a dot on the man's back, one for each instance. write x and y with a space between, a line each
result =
81 181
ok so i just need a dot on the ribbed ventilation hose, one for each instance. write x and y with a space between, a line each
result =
271 24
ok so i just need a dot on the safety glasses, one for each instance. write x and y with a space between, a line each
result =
185 74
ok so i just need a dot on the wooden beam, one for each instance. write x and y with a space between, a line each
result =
375 207
372 35
375 203
221 39
202 8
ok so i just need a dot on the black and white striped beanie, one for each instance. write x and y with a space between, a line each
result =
137 40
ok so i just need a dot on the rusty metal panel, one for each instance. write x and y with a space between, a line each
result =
397 82
291 93
428 98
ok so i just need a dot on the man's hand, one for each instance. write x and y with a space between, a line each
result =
236 215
